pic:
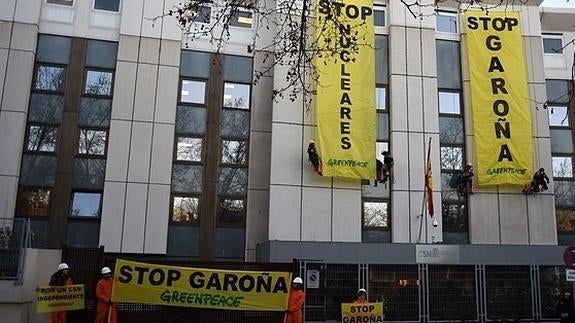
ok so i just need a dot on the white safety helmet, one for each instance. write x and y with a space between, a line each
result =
106 270
63 266
297 280
361 290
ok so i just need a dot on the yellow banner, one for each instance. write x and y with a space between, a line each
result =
345 101
59 298
137 282
360 313
499 98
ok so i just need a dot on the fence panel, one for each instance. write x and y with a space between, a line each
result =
452 293
552 284
398 287
508 291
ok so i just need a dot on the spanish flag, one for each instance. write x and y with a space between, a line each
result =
429 182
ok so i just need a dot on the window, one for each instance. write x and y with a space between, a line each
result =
92 142
187 178
375 215
446 22
241 18
565 220
49 78
189 149
193 92
108 5
449 103
231 211
378 15
34 202
98 83
185 209
234 152
562 166
553 43
380 102
61 2
235 123
85 204
41 138
233 181
236 96
451 158
203 15
448 64
558 116
454 216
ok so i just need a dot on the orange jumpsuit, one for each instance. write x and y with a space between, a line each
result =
296 298
104 295
60 317
360 301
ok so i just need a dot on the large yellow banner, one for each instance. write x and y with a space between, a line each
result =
360 313
499 98
59 298
137 282
345 101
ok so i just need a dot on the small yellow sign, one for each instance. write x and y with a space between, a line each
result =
361 313
137 282
59 298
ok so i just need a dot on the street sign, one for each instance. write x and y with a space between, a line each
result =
569 257
312 280
570 274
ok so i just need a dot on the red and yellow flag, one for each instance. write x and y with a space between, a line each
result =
429 182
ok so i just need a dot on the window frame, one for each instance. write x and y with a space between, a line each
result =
379 6
74 191
107 11
240 224
188 162
221 153
185 195
27 137
448 13
372 228
550 107
241 9
552 36
85 155
22 188
98 96
460 114
61 3
239 83
195 79
43 91
572 178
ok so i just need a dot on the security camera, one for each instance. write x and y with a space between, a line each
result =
435 223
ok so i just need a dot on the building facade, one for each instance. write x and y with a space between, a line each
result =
118 131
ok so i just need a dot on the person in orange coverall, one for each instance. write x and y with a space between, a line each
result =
361 297
106 309
296 299
60 278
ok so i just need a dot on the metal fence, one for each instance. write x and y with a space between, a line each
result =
13 240
438 293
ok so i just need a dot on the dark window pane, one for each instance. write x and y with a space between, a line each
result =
187 178
233 181
38 232
565 220
98 83
378 16
204 15
561 141
92 142
50 78
38 170
451 158
235 123
236 96
451 130
86 204
62 2
101 54
381 63
508 292
557 91
461 237
552 45
558 116
95 112
195 64
183 241
375 236
452 293
191 120
47 108
446 23
375 215
238 69
193 92
454 216
562 166
230 242
34 202
41 138
84 234
449 187
448 64
89 173
231 211
234 152
109 5
449 103
185 209
380 98
240 18
189 149
383 126
564 193
53 49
